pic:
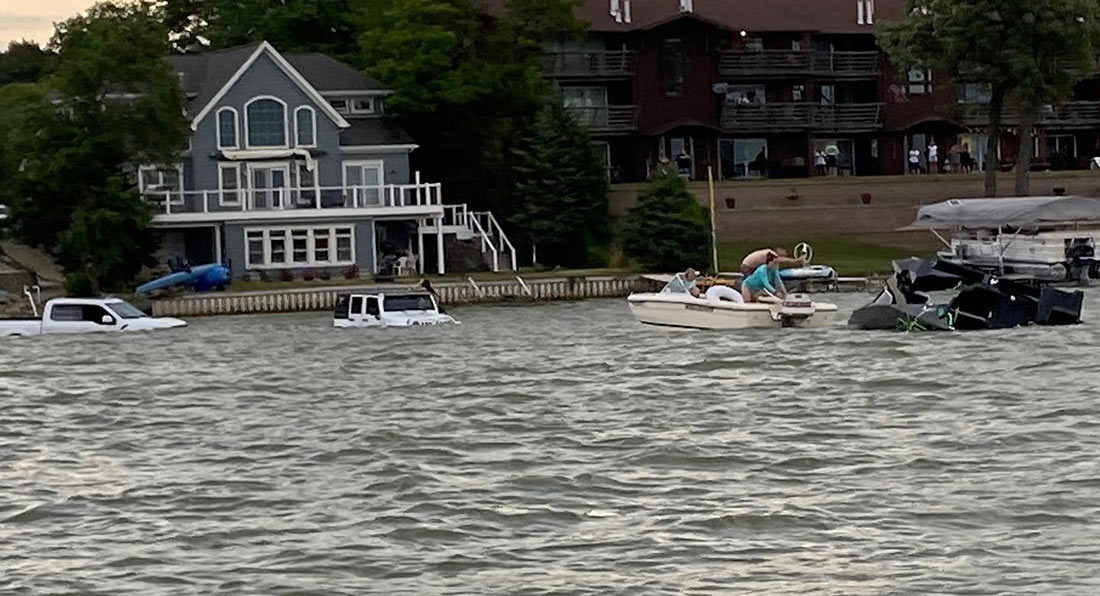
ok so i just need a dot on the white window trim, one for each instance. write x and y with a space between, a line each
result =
236 128
313 129
289 70
380 164
240 190
176 198
288 246
355 112
286 128
252 166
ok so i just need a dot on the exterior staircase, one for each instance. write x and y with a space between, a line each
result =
481 227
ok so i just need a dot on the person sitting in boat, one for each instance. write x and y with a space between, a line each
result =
684 283
764 281
759 257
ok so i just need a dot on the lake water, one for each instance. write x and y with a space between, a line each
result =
557 449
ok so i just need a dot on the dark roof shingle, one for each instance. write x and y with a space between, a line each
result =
374 131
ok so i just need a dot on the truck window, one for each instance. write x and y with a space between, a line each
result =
94 314
67 313
408 302
343 303
356 305
372 306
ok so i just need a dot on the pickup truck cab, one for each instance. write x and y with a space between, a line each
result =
388 310
86 315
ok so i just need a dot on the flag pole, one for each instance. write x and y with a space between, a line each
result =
713 221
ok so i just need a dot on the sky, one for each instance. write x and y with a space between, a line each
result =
34 19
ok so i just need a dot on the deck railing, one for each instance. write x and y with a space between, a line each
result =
589 64
168 202
606 119
784 63
1072 114
794 117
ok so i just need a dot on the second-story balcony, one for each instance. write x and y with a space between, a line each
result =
1070 115
606 120
798 63
309 202
802 117
595 65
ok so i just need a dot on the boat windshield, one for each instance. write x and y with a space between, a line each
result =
126 310
678 285
408 302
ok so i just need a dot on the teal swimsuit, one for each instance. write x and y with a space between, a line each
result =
763 278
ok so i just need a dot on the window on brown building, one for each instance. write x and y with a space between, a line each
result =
673 66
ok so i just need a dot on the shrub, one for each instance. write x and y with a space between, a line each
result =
668 230
308 275
286 275
352 272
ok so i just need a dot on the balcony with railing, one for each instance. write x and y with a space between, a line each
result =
798 63
174 205
1070 115
802 117
589 65
606 119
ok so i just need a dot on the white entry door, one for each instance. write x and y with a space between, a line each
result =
364 181
269 185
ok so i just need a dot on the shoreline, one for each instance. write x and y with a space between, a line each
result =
451 293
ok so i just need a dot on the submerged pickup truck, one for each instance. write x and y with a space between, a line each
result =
85 315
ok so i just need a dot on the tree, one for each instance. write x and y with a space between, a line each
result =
562 192
1012 45
467 87
327 26
668 229
114 104
25 62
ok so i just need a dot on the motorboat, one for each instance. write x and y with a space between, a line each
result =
388 309
984 300
1043 238
675 306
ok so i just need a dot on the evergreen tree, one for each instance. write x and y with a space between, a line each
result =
562 192
668 230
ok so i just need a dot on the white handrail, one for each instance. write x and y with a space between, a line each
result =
299 197
494 224
481 231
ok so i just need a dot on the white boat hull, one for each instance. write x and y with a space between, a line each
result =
675 310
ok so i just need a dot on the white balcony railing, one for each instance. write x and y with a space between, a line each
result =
169 202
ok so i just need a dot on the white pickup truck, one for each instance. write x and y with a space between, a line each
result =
85 315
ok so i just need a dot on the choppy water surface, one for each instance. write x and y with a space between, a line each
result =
558 449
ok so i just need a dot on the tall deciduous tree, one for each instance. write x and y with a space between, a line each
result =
467 87
1013 45
25 62
562 189
113 104
668 229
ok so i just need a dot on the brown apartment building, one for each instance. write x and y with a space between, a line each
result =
758 88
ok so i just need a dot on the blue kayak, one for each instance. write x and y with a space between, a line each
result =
201 279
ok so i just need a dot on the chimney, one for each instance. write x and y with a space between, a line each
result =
617 11
687 6
626 11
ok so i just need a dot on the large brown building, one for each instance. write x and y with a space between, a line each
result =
760 88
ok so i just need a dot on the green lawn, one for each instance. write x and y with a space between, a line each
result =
849 257
526 273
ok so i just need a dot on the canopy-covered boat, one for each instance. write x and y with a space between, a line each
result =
1047 238
985 301
675 306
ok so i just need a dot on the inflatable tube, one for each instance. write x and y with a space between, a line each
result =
202 278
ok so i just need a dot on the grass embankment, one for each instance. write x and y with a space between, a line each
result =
850 258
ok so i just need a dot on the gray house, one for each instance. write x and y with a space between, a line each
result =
292 164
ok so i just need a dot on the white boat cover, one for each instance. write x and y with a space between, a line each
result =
1011 211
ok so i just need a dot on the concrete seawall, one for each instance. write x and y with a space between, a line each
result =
324 298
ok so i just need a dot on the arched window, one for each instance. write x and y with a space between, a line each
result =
305 127
227 128
265 118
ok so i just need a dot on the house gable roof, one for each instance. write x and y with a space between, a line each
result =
206 78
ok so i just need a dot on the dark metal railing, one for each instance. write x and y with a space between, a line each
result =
606 119
596 64
1072 114
797 117
781 63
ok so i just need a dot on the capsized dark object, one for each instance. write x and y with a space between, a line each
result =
985 302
